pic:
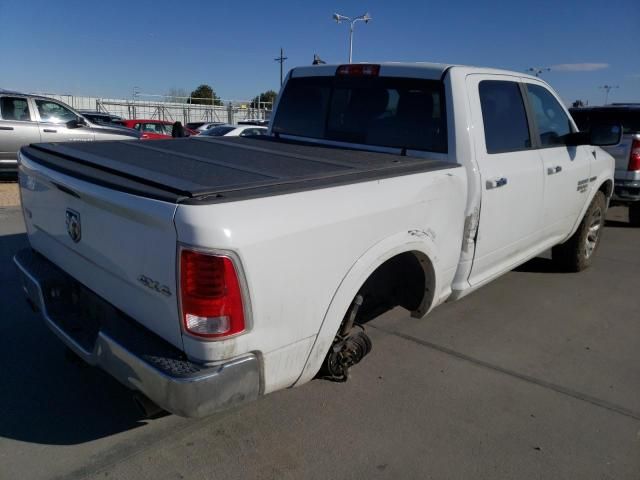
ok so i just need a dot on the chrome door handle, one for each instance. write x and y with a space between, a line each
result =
554 170
496 183
49 130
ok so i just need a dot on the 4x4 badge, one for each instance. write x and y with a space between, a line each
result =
74 229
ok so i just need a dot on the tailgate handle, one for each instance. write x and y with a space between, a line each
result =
66 190
6 128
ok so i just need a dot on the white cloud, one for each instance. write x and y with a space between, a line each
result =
579 67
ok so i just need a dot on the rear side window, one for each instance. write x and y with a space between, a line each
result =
14 108
217 131
381 111
168 128
505 120
552 122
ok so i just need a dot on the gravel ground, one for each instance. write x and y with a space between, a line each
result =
9 196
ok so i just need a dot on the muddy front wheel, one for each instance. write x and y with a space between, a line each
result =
577 253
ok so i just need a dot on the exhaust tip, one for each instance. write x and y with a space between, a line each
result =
147 407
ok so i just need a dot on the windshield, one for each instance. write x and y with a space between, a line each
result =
381 111
630 119
217 131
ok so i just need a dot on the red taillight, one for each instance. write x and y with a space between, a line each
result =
359 70
634 157
211 297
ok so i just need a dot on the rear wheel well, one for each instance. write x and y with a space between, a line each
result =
406 280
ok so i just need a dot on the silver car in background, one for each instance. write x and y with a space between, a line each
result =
26 119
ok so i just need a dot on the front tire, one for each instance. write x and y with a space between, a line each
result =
576 254
634 214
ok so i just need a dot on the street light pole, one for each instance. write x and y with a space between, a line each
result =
537 71
607 89
350 41
366 18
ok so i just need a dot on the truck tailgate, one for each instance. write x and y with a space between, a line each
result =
119 245
621 153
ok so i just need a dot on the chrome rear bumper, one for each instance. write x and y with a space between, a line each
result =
103 336
626 191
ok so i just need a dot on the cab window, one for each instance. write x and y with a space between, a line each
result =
14 108
552 122
406 113
54 112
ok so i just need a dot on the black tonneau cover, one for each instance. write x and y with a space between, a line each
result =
210 170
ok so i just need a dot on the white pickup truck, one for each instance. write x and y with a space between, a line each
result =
206 272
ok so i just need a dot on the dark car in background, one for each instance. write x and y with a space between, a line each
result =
202 126
102 117
626 153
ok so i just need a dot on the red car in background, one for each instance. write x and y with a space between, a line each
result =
154 129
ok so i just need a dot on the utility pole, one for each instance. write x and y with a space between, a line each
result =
537 71
607 89
281 60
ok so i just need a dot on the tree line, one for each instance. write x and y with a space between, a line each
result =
205 95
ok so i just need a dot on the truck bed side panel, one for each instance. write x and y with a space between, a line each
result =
296 249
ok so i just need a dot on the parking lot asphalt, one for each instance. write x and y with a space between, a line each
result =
535 376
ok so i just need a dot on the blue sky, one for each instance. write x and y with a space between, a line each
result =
106 48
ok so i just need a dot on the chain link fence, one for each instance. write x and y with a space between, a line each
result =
158 107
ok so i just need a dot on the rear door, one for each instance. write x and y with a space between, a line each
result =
511 175
17 127
53 118
567 169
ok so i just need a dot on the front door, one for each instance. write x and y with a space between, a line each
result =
53 123
17 127
511 173
566 169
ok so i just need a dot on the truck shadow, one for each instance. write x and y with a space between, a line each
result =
539 265
618 224
46 398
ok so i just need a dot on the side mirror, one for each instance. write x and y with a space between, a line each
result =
604 135
76 123
600 135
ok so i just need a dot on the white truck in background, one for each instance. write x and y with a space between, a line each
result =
205 272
